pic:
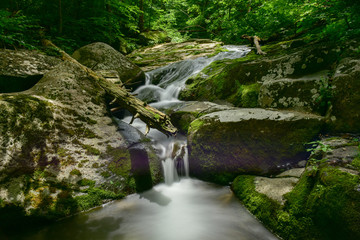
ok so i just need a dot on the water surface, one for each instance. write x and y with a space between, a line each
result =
186 210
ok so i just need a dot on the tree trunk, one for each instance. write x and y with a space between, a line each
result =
141 17
151 116
60 18
255 40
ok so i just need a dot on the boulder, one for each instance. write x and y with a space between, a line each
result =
227 143
22 69
61 152
320 202
238 81
184 114
100 56
302 94
346 97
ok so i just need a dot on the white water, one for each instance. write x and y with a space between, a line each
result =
180 209
170 80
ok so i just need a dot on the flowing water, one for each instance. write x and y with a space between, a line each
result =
180 209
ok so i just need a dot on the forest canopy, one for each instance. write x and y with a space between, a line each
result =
73 23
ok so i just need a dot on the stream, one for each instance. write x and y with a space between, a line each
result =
179 209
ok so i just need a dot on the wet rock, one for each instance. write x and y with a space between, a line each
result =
22 69
100 56
346 99
227 143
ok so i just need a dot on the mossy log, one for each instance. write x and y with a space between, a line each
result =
151 116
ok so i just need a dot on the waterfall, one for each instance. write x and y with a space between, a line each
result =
162 88
188 209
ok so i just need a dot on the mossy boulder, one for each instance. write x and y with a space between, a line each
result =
324 203
22 69
238 81
307 93
61 152
100 56
227 143
346 97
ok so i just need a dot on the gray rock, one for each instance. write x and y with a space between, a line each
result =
224 80
275 188
343 155
295 172
22 69
58 135
346 99
100 56
183 115
302 94
231 142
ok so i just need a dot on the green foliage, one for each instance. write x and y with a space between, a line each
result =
16 29
73 23
325 97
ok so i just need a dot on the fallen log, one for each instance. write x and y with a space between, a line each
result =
149 115
255 40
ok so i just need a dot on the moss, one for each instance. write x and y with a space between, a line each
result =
264 208
95 197
105 174
91 150
246 96
120 163
218 50
325 204
195 125
182 120
75 172
86 182
62 152
356 163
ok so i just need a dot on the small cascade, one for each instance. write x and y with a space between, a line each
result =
188 209
162 89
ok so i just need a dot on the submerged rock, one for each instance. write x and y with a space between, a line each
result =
22 69
100 56
227 143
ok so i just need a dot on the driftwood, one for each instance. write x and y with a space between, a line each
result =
255 40
151 116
